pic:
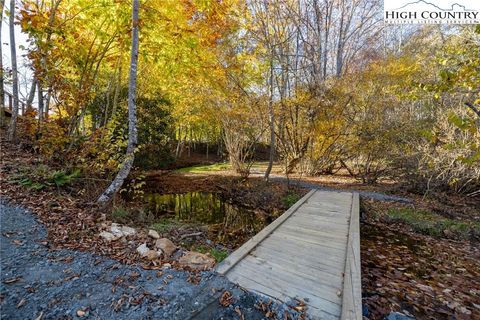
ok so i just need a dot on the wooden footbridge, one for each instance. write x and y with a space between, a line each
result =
310 253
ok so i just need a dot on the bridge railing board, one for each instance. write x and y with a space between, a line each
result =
352 286
240 253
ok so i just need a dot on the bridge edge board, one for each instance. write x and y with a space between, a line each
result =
352 286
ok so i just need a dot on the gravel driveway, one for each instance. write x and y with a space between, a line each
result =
40 283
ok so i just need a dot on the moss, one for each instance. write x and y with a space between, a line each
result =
432 224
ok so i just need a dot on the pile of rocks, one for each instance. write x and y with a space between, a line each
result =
162 249
116 232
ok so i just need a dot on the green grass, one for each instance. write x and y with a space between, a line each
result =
218 255
290 199
41 176
119 214
429 223
219 166
205 168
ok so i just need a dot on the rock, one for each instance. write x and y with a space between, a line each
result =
128 231
108 236
143 249
398 316
167 246
196 260
81 313
153 255
464 310
116 230
365 311
154 234
166 266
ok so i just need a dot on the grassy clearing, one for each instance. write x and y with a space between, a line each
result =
220 166
429 223
205 168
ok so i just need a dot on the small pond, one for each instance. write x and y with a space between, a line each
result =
225 222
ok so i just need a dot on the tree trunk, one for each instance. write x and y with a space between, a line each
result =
118 87
31 94
132 114
41 111
271 122
13 51
2 92
47 102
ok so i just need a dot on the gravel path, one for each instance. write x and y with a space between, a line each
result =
38 283
309 185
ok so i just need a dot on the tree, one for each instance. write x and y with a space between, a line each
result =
132 113
13 51
2 92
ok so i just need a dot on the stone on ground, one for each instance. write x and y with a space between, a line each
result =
128 231
196 260
108 236
143 249
154 234
167 246
153 255
116 230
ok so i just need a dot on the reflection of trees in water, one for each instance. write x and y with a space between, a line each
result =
227 222
238 222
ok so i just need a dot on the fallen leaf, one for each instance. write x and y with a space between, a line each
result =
21 303
12 280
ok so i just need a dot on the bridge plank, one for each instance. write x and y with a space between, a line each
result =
311 252
275 295
293 287
236 256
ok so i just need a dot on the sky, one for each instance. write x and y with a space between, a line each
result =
25 73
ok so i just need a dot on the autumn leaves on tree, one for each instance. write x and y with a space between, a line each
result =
322 85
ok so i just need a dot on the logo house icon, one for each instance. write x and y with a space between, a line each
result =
432 11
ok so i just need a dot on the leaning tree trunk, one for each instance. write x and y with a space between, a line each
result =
13 51
2 92
132 114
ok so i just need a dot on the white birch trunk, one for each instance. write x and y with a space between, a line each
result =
13 52
132 114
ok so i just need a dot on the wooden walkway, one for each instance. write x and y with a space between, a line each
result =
311 252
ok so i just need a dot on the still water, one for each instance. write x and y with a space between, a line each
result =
225 220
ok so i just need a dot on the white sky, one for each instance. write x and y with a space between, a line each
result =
25 74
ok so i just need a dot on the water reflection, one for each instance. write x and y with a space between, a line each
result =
226 221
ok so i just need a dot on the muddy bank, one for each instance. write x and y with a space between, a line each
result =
37 282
